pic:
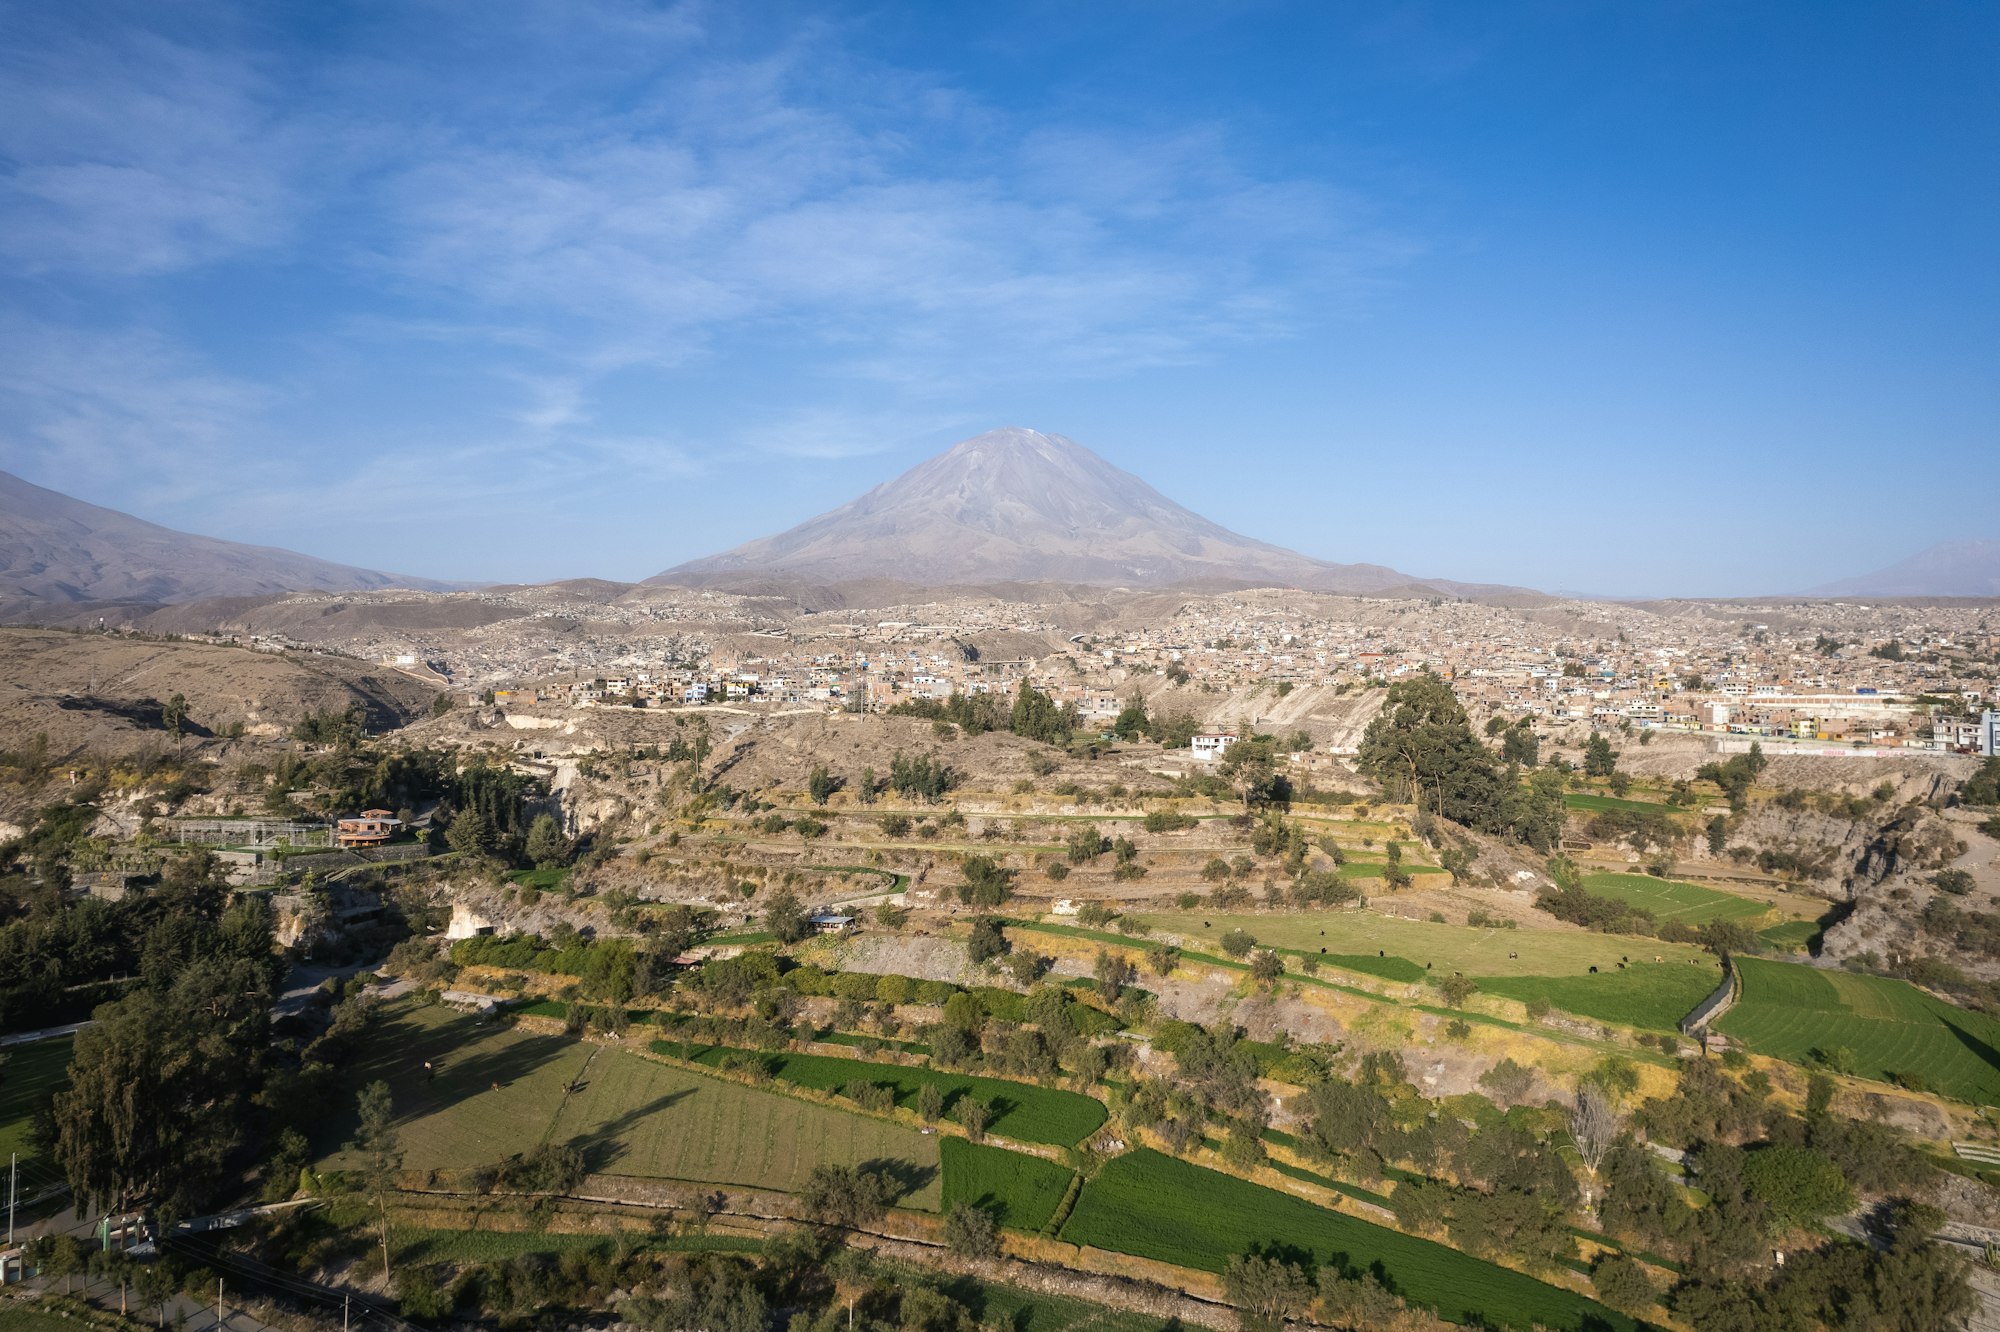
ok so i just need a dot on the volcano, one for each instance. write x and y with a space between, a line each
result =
1018 505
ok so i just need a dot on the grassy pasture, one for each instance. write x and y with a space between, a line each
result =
636 1117
1388 968
1021 1191
1891 1027
1033 1311
1155 1206
1670 900
1794 936
1474 950
632 1117
1018 1110
1653 995
33 1072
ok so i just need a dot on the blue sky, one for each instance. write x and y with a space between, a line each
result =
1632 298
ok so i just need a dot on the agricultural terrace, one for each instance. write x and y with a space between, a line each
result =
1017 1110
1794 936
1021 1191
498 1091
33 1072
1588 803
1869 1025
1672 900
1473 950
1653 995
1154 1206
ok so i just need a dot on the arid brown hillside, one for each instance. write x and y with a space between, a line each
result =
103 691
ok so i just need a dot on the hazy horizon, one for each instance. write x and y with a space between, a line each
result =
1629 301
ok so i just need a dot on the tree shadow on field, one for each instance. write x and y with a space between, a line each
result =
430 1068
1280 1252
618 1125
907 1176
1974 1044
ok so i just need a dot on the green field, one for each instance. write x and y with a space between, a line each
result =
1021 1191
1655 995
1155 1206
31 1073
1020 1310
1474 950
1670 900
1018 1110
1388 968
1794 936
1891 1028
498 1092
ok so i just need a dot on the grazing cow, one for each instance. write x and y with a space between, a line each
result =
1593 971
496 1086
1512 956
1621 966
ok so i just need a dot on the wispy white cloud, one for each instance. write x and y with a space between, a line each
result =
131 152
106 407
533 215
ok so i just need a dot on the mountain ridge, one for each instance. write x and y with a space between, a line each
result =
57 549
1018 505
1965 567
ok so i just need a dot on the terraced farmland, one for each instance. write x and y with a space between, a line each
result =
1654 995
1021 1191
1474 950
1891 1029
1155 1206
1018 1110
1670 900
636 1117
498 1091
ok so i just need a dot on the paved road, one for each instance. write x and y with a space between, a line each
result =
46 1033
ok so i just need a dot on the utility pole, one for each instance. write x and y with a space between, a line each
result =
218 1303
13 1178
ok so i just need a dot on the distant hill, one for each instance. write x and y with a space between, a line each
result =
1969 568
1017 505
55 549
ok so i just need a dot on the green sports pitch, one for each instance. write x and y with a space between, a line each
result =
1888 1029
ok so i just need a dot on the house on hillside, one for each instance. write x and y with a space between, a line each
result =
373 827
1212 745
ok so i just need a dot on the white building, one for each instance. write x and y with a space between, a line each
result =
1211 745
